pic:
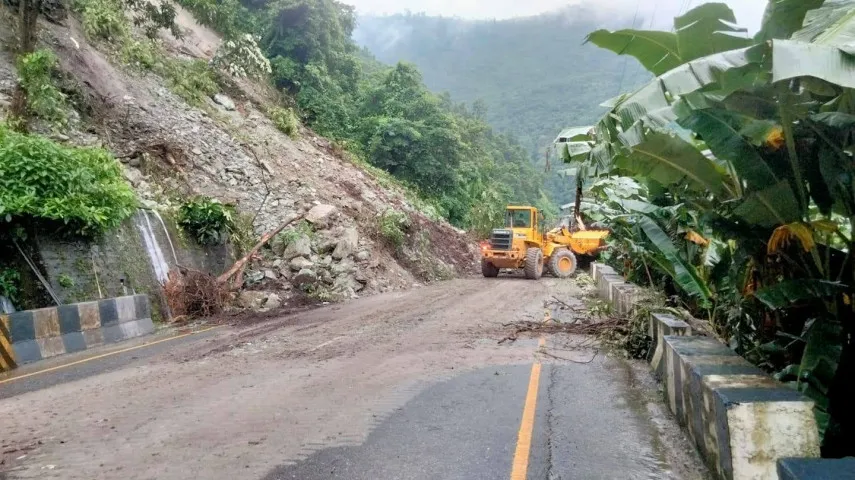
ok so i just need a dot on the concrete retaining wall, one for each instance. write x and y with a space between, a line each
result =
741 420
34 335
816 469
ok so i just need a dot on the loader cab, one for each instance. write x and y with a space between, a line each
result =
526 224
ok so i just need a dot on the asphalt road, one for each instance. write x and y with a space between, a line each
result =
110 358
404 385
587 426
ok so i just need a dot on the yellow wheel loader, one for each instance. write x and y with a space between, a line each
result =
524 243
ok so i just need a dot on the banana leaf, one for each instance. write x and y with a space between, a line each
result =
708 29
770 207
669 160
788 292
684 274
785 17
798 59
722 132
832 24
657 51
702 31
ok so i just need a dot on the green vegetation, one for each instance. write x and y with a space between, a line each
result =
527 77
103 19
730 185
37 71
79 189
192 80
208 221
383 115
10 284
65 281
108 20
392 226
285 120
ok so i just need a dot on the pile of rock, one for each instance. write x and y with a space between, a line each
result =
326 262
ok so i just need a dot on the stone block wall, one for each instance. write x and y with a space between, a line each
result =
741 420
33 335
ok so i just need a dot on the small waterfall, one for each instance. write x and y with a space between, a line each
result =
166 232
155 254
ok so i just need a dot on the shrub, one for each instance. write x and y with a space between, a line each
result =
9 281
142 55
285 120
82 188
107 19
242 57
65 281
191 80
207 220
102 18
392 227
44 100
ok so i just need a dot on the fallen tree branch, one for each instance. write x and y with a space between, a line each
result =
237 269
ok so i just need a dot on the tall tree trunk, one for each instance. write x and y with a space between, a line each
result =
28 16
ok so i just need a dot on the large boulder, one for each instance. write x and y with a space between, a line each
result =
227 103
300 263
343 267
252 300
321 215
300 247
346 283
272 302
305 277
347 244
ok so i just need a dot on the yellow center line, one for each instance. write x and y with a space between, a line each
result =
108 354
520 465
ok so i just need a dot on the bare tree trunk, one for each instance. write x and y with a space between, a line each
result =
577 207
28 16
237 269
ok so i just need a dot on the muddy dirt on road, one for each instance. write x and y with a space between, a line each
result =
250 399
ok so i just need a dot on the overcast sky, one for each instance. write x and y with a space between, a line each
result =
748 12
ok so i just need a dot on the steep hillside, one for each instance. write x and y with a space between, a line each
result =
369 235
533 74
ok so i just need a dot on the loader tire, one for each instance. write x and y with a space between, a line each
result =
563 263
533 263
489 270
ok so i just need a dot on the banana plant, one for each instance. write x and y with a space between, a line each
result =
756 136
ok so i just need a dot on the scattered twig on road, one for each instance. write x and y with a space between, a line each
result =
557 327
567 305
596 352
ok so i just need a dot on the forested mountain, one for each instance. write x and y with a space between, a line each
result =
532 76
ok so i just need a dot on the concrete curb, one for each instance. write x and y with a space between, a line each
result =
816 469
34 335
741 420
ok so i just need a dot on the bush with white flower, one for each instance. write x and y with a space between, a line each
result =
242 57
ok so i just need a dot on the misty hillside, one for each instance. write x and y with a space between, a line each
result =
533 73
